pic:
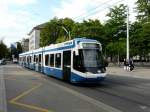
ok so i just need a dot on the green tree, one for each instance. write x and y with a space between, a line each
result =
3 50
143 9
115 31
53 31
16 51
140 39
90 29
140 36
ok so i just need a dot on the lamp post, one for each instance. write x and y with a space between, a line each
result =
68 32
127 55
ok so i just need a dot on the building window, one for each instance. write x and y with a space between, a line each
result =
52 60
58 60
46 59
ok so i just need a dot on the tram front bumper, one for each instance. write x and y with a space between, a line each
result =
91 79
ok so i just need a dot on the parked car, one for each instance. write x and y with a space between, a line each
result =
2 62
15 60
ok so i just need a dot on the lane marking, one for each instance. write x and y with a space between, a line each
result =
9 78
3 102
14 100
95 102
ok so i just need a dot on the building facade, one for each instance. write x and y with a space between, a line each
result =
34 39
25 45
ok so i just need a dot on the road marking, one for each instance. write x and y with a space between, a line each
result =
97 103
3 104
14 100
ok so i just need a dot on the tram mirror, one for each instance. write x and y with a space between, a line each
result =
76 52
68 66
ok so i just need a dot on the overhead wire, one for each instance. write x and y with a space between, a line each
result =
94 11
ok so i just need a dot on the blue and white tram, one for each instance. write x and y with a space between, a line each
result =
78 60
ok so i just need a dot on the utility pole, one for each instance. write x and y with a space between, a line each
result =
127 55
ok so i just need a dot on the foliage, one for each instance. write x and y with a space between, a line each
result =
115 31
3 50
53 31
143 9
140 39
112 34
16 51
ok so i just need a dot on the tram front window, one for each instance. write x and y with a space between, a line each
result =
89 60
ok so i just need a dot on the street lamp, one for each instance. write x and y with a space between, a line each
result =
68 32
127 55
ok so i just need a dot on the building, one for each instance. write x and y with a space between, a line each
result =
34 37
25 45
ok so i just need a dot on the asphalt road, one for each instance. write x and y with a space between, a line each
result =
23 90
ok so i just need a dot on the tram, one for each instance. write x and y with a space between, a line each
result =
78 61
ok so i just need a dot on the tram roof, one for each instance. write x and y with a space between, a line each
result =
63 44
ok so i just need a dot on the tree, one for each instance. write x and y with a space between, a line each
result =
16 50
115 31
140 39
143 9
3 50
140 36
53 31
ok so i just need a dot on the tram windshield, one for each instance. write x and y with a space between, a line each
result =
89 60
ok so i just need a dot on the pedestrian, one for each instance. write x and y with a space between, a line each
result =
131 65
125 64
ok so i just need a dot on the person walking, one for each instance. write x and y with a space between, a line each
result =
131 65
125 64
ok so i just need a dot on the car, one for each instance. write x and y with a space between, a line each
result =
2 62
15 60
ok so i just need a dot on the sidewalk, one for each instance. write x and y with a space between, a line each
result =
138 72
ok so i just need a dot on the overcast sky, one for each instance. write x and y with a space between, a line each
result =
18 17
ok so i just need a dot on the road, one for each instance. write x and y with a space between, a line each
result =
23 90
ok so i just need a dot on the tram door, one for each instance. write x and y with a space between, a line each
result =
66 65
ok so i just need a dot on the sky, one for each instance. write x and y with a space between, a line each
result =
18 17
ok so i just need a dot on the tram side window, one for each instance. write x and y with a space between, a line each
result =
58 60
27 59
39 58
78 62
30 59
34 58
52 60
46 59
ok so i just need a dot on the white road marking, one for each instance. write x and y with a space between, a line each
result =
143 107
3 103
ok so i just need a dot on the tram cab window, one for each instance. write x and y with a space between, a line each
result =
52 60
58 60
46 59
88 60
